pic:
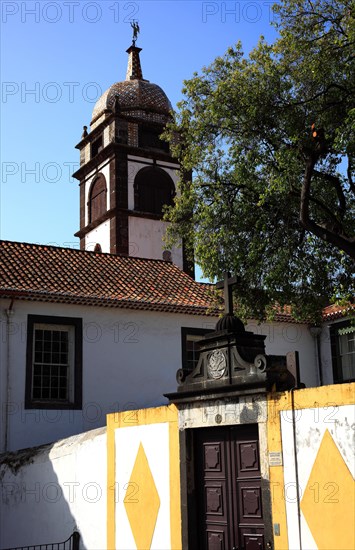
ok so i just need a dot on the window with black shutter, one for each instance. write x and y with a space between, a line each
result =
154 188
150 138
96 147
97 199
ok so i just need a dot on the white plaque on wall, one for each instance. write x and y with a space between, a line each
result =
275 458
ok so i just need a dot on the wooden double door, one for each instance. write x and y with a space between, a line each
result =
229 509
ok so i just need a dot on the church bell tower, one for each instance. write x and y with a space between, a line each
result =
126 171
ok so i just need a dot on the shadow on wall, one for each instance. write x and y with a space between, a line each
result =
49 492
34 509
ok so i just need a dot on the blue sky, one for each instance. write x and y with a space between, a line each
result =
56 60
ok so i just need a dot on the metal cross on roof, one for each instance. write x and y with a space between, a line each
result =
227 285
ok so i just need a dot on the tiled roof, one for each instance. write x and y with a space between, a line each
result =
65 275
54 274
133 94
334 312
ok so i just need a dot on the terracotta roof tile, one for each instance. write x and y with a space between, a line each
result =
54 274
66 275
330 313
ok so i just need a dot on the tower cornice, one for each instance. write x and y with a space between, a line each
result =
112 148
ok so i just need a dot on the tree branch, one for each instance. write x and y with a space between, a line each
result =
340 241
326 210
350 177
319 94
338 188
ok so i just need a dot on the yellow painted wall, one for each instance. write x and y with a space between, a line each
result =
145 417
327 457
336 536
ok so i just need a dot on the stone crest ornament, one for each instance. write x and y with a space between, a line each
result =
232 361
216 364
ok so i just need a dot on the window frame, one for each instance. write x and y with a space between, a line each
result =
75 375
338 374
190 331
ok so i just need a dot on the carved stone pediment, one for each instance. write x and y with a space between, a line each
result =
227 359
233 360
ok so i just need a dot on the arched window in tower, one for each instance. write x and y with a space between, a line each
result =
97 198
153 188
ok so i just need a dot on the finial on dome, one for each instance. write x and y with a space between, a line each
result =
134 69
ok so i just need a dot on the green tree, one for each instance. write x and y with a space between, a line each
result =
269 139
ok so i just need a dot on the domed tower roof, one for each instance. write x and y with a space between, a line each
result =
135 95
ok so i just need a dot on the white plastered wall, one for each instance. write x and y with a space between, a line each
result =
100 235
146 240
54 491
284 337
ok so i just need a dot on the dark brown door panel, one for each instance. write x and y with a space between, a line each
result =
228 488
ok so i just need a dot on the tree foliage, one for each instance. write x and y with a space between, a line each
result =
269 139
